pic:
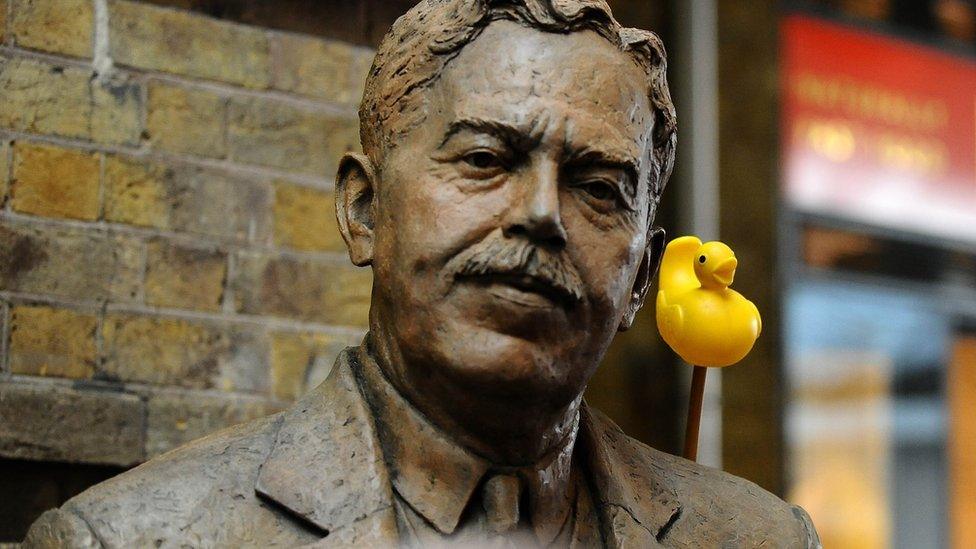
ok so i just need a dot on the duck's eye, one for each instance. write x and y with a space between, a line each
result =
701 259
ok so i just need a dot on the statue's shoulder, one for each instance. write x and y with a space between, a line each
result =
712 504
246 486
188 493
229 456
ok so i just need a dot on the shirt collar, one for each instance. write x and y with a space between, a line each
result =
438 477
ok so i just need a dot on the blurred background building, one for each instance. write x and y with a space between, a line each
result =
169 262
876 240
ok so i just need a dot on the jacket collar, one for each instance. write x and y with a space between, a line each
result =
327 468
631 490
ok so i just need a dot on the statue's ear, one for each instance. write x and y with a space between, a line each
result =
355 206
650 263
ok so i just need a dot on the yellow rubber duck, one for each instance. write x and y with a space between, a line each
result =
703 320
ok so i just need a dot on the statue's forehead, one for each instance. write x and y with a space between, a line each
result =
520 71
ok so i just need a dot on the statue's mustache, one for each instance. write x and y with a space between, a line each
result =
498 255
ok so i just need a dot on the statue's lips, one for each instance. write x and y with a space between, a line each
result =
522 289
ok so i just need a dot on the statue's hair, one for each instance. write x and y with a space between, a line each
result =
424 40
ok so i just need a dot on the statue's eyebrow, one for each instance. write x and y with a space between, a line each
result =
512 135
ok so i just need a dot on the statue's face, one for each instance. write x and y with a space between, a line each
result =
511 225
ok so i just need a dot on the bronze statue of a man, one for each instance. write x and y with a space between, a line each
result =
515 153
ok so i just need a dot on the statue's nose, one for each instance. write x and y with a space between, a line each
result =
534 213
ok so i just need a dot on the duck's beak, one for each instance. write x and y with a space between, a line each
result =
725 271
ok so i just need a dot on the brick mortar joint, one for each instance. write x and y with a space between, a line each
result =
269 32
100 334
251 172
319 106
277 34
142 391
140 296
186 240
9 175
102 62
102 307
230 275
100 215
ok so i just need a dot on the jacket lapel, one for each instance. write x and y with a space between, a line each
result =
635 501
326 466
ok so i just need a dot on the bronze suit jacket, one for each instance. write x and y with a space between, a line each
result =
313 475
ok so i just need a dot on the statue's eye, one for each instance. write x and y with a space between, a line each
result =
701 259
483 160
599 190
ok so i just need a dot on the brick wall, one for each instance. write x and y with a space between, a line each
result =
169 260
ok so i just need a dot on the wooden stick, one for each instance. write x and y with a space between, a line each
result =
694 412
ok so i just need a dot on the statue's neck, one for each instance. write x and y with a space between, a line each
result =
505 431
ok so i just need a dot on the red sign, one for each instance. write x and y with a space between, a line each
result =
878 130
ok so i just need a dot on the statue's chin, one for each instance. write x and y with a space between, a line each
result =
488 342
489 363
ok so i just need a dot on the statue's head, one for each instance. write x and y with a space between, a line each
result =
515 153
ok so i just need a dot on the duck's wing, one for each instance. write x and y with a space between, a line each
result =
670 319
678 265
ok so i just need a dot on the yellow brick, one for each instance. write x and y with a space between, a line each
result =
280 135
42 98
68 262
342 137
161 351
362 62
115 116
290 355
187 121
184 278
52 342
3 20
166 351
187 199
301 361
347 297
135 193
55 182
54 422
59 26
181 42
39 97
174 418
330 293
319 68
305 219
